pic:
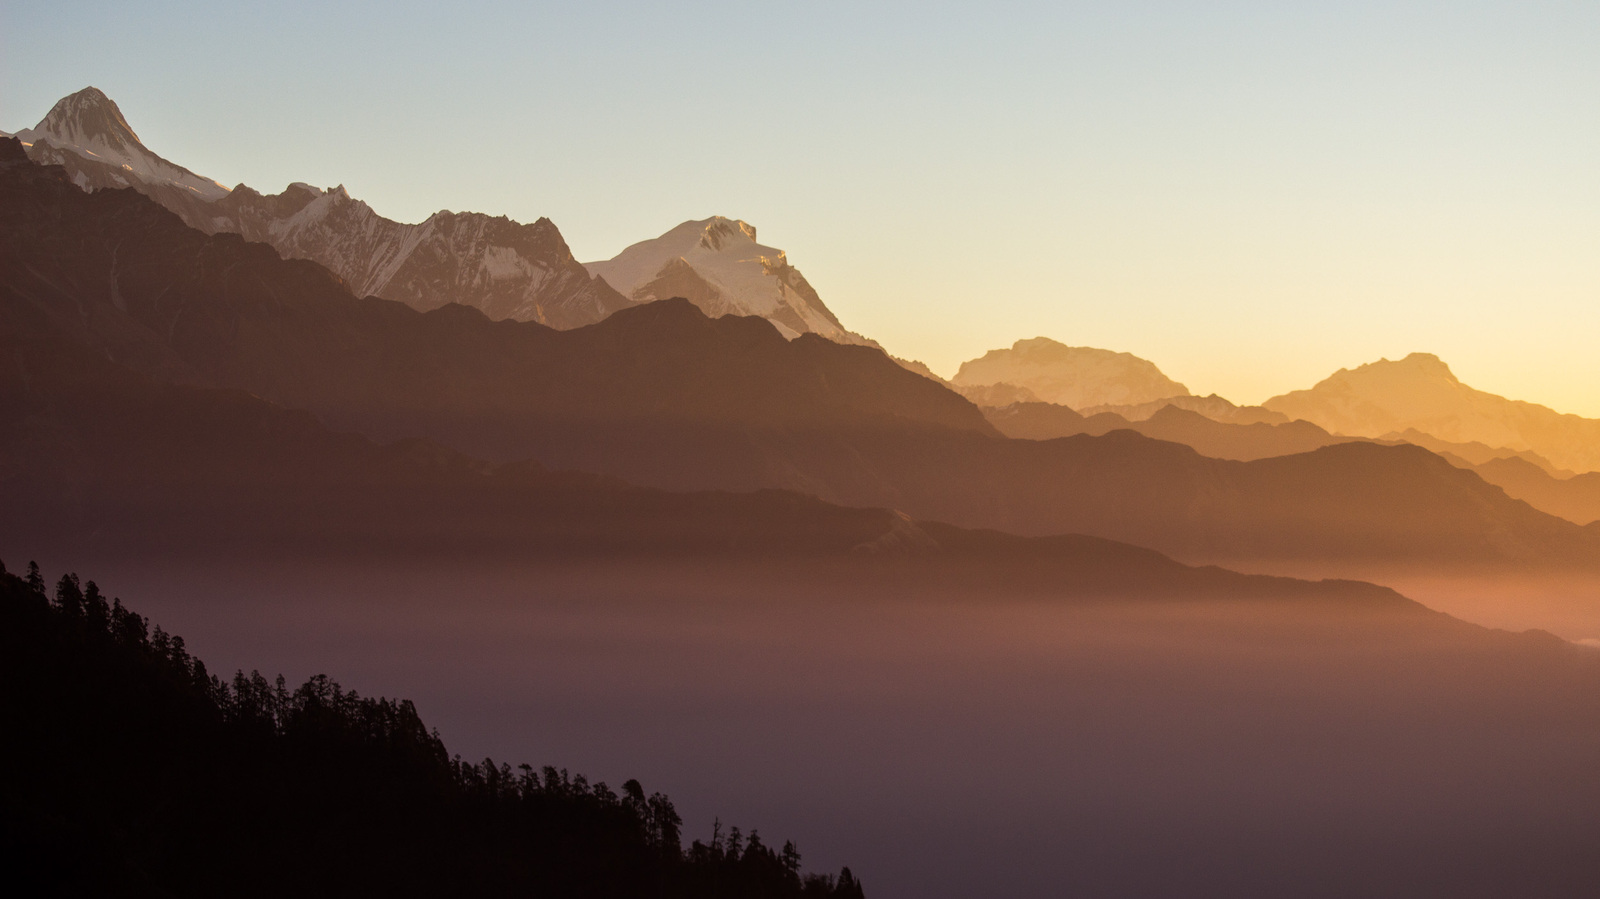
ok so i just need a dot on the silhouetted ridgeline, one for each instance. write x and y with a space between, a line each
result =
132 770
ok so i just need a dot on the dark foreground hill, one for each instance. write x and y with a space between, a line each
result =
662 396
130 770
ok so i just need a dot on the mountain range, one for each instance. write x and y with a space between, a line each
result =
526 272
663 396
508 270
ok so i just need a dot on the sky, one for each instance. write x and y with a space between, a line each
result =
1250 194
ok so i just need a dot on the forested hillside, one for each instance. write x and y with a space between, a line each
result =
132 770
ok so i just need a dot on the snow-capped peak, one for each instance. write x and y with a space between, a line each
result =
719 232
91 125
718 265
88 117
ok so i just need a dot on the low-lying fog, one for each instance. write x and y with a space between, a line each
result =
973 747
1565 603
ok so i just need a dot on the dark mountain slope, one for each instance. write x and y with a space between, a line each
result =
106 462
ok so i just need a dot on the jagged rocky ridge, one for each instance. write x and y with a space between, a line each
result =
507 269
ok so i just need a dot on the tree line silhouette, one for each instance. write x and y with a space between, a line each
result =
132 770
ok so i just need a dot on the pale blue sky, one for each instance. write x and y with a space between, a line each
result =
1251 194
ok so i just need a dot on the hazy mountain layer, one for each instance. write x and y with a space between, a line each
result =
994 396
1213 407
1471 454
717 265
1078 377
1219 440
507 269
1421 392
121 466
1576 498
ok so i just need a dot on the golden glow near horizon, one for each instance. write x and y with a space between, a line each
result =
1251 196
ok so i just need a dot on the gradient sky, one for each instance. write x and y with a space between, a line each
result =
1251 194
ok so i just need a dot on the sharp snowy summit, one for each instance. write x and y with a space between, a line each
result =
89 126
718 265
507 269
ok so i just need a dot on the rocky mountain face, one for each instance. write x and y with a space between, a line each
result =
1079 377
509 270
1420 392
718 265
506 269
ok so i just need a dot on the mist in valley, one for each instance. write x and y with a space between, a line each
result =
959 743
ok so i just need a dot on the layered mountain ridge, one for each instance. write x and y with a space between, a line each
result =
663 396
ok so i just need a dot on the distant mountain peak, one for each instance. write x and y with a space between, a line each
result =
1413 367
90 125
720 232
86 115
1075 376
717 264
1420 393
1429 364
1038 344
